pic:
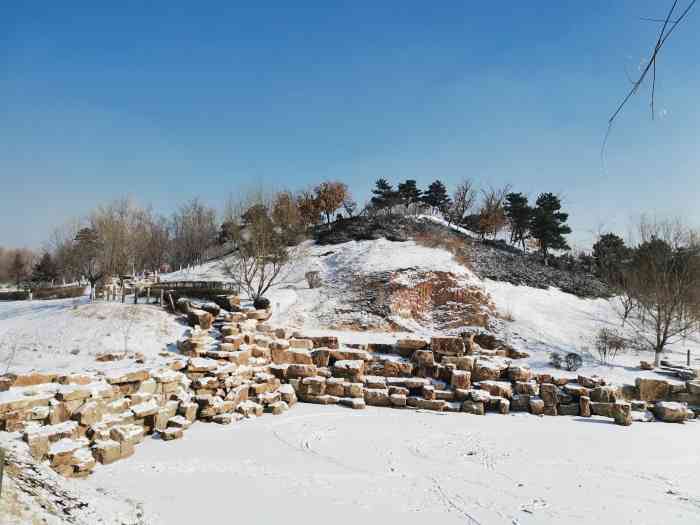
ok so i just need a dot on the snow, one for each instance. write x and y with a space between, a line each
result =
67 334
402 466
546 321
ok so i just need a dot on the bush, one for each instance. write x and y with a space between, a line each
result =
608 343
571 361
313 279
261 303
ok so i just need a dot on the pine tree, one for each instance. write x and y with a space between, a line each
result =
519 214
610 255
45 271
548 224
384 195
437 198
409 193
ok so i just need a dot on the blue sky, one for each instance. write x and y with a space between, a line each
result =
172 100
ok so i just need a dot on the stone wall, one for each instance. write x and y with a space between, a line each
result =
239 366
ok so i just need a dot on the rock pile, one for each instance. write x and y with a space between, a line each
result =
243 367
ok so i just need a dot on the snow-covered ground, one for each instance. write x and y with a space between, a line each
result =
317 464
66 334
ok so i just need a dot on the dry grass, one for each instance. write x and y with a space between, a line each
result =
449 242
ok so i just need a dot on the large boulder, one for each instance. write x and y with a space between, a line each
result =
652 389
671 412
447 345
497 388
196 316
621 412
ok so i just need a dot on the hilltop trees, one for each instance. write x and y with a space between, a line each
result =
519 214
492 216
330 197
409 195
436 198
548 225
383 196
463 200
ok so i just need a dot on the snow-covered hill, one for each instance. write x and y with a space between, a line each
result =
366 297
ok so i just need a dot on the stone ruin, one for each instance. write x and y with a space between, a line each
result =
234 365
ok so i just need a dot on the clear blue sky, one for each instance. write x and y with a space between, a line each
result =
174 100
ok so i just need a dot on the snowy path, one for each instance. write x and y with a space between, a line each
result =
316 464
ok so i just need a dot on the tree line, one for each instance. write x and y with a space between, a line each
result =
487 212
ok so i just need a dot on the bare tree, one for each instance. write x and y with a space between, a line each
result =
261 251
463 199
663 279
330 196
492 216
194 229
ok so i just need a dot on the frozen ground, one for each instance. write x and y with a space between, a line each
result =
67 334
318 464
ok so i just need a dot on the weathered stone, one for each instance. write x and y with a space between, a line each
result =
670 412
473 407
353 370
447 345
171 433
461 379
519 373
117 377
497 388
300 371
377 397
549 394
487 370
431 404
530 388
202 318
621 412
605 394
599 408
536 406
314 385
107 451
584 406
356 403
571 409
398 400
133 434
652 389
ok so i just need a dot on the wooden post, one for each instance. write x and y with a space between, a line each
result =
162 294
136 295
688 360
148 295
123 295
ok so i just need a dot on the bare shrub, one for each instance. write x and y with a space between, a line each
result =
313 279
608 344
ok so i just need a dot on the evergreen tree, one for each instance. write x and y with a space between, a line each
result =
437 198
45 271
384 195
409 193
548 224
519 214
610 255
